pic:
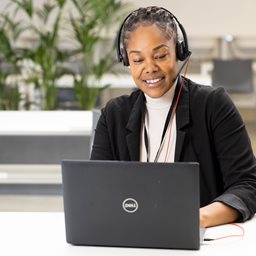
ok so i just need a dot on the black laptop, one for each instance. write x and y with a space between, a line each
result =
131 204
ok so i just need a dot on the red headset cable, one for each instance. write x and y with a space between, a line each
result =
223 237
174 110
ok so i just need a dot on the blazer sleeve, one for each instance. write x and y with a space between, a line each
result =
235 156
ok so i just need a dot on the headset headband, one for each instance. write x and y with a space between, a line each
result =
182 48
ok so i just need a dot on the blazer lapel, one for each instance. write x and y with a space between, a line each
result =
182 119
134 127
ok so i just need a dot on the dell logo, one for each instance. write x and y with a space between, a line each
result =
130 205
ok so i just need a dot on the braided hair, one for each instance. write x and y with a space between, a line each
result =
148 16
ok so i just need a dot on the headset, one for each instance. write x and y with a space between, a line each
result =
182 48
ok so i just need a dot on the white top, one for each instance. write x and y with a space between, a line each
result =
155 117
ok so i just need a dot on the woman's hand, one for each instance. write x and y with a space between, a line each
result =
217 213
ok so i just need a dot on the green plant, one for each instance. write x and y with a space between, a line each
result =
94 19
10 96
43 61
45 54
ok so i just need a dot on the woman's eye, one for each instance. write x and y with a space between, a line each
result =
160 57
137 60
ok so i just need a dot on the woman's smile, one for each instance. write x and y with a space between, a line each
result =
152 60
152 83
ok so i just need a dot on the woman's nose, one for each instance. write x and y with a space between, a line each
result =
151 66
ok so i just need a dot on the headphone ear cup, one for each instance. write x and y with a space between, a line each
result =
125 59
181 52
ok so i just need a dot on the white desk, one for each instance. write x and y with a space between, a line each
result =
44 234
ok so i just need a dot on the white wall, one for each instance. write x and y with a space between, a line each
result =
210 17
205 17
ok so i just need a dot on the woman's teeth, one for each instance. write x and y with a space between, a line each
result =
153 80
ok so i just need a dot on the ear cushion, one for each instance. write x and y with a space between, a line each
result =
181 51
125 59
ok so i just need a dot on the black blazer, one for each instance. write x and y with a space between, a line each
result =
209 131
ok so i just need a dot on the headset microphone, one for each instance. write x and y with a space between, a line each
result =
182 66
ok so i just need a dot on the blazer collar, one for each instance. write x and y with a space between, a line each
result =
182 112
182 118
134 126
135 120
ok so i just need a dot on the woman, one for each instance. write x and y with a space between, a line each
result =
170 118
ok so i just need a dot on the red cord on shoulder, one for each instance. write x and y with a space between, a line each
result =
174 110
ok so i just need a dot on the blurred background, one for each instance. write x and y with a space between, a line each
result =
58 68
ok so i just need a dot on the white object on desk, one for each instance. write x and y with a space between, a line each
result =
45 122
43 234
30 174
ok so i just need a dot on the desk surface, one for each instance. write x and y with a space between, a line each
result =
44 234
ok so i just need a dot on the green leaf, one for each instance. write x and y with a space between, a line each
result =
54 37
61 3
5 45
26 6
45 11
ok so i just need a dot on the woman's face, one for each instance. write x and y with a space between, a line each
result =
152 60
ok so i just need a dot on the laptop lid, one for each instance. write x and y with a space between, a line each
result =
131 204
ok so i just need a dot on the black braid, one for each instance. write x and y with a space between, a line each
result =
148 16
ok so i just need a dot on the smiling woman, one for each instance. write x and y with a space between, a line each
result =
152 60
172 119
